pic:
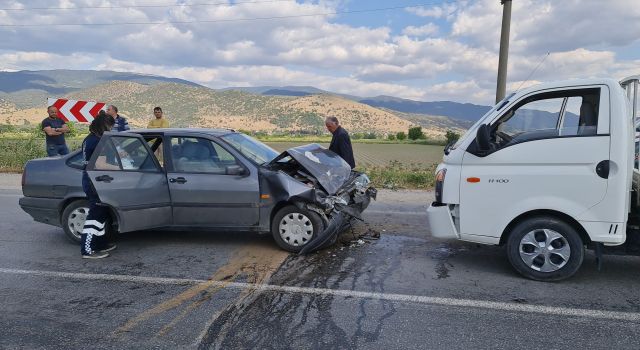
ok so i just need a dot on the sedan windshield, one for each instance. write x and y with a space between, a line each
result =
251 148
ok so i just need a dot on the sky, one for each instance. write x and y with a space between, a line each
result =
427 50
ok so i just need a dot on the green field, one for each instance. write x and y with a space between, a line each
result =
379 154
388 165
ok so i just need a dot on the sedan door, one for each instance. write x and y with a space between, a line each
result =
209 186
128 178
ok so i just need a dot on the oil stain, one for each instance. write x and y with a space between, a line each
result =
267 319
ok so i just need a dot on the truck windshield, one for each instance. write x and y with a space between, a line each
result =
498 106
251 148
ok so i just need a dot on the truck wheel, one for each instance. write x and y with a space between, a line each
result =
545 249
293 227
73 218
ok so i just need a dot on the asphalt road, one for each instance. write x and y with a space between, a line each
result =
403 290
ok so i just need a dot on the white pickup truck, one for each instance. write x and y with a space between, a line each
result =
547 172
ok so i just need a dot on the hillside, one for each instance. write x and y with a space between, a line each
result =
27 89
193 106
461 111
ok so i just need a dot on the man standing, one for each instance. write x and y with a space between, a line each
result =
121 122
160 121
54 129
340 142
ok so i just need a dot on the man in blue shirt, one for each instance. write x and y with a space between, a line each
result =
54 129
121 122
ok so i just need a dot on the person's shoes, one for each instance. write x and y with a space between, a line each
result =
108 248
95 255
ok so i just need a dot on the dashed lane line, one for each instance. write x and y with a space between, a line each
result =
426 300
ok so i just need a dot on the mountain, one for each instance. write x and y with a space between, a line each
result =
462 111
189 105
28 89
281 92
264 108
290 91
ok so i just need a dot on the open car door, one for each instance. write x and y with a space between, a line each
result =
128 178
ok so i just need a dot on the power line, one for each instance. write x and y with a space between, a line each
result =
142 6
219 20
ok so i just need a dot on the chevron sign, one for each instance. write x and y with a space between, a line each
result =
76 111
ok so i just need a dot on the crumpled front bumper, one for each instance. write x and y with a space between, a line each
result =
340 219
440 222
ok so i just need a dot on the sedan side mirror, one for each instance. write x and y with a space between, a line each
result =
235 170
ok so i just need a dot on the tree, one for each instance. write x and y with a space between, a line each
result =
452 136
401 136
416 133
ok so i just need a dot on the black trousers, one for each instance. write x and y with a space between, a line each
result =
95 227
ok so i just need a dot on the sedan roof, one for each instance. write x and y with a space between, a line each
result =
183 131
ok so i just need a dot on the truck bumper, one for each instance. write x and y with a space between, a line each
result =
440 222
43 210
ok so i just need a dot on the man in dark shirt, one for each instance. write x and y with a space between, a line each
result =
340 142
121 122
54 129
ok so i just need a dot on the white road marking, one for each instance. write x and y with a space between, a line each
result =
426 300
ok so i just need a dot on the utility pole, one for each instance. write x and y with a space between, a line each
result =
504 50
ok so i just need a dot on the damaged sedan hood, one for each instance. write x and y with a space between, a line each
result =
328 168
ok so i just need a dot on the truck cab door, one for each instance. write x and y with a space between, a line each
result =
129 179
549 151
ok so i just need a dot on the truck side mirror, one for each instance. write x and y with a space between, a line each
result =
483 138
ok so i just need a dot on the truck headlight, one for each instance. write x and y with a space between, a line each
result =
440 175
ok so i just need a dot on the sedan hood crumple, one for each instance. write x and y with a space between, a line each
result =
331 171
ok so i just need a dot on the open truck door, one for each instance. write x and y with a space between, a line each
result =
129 179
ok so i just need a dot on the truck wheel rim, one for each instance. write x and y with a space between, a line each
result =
296 229
544 250
76 220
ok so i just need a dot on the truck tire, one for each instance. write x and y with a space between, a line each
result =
73 217
545 249
293 227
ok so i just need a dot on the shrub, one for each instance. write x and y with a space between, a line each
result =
416 133
391 137
370 136
452 136
401 136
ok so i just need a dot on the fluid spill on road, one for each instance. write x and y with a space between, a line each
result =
441 255
253 263
278 320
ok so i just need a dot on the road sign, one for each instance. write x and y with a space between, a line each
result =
76 111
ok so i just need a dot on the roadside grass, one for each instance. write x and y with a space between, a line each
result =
391 166
15 152
399 176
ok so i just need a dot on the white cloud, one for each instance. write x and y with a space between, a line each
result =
454 59
425 30
442 11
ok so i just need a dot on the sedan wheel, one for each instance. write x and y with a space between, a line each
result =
76 220
296 229
293 227
73 217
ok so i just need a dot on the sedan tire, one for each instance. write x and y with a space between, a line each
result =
73 218
293 227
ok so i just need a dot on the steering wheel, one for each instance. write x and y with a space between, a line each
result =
504 136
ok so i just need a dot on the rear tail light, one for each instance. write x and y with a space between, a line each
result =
440 175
